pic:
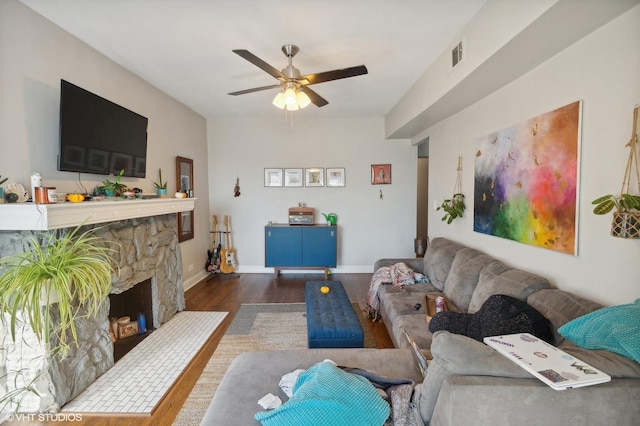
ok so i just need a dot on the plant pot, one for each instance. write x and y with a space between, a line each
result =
626 225
162 192
110 192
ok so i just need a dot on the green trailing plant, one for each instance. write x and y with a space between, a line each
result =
160 184
626 217
114 187
71 269
453 208
625 203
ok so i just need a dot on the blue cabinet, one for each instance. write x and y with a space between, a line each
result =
301 247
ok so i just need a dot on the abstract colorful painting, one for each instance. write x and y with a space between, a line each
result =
526 179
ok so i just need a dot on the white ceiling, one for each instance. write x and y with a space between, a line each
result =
183 47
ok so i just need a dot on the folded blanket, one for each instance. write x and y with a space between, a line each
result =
327 395
398 274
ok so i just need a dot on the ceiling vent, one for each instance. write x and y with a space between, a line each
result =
456 55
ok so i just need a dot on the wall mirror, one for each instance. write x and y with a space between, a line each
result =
184 175
184 183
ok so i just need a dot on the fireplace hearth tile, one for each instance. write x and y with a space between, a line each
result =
137 382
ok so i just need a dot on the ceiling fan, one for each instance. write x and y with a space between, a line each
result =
295 92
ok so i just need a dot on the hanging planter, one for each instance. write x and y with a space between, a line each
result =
626 217
454 207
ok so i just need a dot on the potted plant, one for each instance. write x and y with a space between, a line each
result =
2 189
113 188
71 270
626 217
161 187
454 207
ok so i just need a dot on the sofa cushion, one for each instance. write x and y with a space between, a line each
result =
500 314
560 307
326 395
496 278
617 366
615 328
463 276
438 258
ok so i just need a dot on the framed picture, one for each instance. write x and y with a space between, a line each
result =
73 155
141 167
272 177
380 174
293 177
98 160
335 176
184 175
120 161
314 176
185 225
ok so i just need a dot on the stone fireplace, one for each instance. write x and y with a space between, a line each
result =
147 252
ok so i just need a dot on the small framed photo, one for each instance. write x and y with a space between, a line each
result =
272 177
185 225
380 174
128 329
293 177
314 176
335 177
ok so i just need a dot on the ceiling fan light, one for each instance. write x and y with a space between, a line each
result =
303 99
290 97
293 107
279 100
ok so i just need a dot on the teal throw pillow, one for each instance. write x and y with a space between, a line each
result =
615 328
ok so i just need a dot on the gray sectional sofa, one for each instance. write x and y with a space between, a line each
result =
467 382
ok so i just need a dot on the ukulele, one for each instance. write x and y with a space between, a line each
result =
228 260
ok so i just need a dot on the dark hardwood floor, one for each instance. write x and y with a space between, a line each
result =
227 293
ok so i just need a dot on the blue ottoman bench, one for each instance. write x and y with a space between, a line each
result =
331 320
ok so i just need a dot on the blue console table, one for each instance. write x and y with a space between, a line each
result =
300 247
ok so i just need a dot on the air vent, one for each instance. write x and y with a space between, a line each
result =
456 55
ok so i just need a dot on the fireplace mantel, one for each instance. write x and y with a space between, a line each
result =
42 217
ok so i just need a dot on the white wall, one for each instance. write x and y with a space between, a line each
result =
34 56
369 228
602 70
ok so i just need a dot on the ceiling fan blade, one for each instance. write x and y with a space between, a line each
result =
316 99
255 89
260 63
335 74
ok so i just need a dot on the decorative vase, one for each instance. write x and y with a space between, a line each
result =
626 225
109 192
162 192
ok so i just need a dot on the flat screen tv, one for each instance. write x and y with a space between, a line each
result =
98 136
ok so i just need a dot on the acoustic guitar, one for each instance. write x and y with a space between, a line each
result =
228 257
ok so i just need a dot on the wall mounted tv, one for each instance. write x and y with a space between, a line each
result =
98 136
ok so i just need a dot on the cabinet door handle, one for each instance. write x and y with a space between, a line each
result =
268 233
332 233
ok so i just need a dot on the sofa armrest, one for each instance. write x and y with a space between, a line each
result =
416 264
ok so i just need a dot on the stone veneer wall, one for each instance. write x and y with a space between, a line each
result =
147 248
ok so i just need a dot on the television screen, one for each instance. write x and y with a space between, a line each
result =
99 136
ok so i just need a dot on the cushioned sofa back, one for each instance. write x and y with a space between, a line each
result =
438 259
560 307
498 278
463 276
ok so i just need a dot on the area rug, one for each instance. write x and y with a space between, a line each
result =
256 327
138 381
